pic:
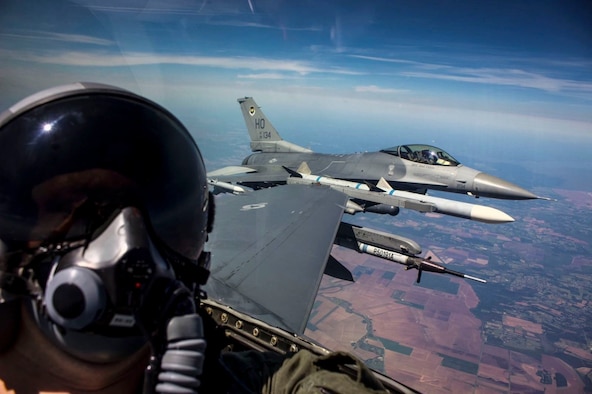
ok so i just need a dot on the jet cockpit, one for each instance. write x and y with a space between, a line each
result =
426 154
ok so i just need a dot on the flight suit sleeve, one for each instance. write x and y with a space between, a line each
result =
303 372
306 372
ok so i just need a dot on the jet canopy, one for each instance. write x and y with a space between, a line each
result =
422 154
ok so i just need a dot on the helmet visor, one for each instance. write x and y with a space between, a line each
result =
68 164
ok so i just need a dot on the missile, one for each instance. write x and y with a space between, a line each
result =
323 180
349 235
479 213
359 191
460 209
408 200
229 187
411 262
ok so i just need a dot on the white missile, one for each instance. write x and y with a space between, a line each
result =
226 186
411 262
404 199
465 210
384 253
323 180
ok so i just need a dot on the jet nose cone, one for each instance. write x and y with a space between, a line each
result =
490 186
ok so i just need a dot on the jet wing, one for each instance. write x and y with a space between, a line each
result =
268 174
269 251
230 171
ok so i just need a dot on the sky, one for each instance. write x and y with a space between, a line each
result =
480 79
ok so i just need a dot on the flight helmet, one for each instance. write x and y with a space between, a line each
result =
104 212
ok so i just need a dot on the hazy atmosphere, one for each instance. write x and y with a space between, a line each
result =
504 87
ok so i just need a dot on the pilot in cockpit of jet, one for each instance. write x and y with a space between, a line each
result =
104 212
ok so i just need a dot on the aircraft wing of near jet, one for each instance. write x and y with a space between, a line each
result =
230 171
269 174
270 249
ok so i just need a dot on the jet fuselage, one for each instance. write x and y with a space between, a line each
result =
400 173
413 167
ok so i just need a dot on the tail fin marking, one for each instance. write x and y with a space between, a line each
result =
264 137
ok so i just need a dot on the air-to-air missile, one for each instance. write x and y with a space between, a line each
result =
412 262
389 200
226 186
445 206
391 247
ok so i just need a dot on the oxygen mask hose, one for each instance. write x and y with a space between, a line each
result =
183 360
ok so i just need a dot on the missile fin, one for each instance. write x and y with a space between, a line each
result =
292 172
384 185
304 168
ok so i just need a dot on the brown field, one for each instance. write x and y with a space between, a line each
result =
364 316
580 199
553 365
581 261
445 325
536 328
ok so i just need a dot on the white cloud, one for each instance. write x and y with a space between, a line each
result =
379 90
263 76
105 59
507 77
488 75
51 36
387 60
126 59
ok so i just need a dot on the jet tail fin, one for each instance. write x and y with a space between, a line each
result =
264 137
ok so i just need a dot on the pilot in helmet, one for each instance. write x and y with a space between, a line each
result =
104 211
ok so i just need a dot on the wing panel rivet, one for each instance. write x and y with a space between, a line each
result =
256 331
238 324
224 318
293 348
273 341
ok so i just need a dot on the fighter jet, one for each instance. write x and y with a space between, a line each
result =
412 167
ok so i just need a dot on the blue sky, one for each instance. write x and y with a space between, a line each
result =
463 75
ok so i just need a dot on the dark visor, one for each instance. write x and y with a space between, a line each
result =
68 163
